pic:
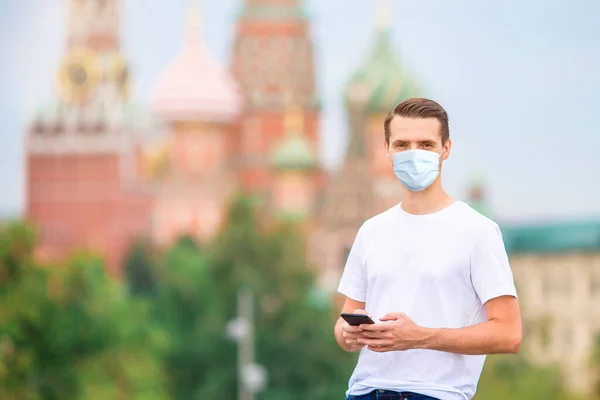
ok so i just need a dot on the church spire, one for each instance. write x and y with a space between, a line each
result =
383 16
94 24
193 29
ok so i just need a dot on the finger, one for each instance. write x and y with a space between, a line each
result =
382 349
352 329
354 342
371 334
374 327
353 336
374 342
392 316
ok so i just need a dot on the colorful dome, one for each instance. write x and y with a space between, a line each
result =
294 151
194 86
382 81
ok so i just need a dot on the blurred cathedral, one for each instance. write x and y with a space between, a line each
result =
101 172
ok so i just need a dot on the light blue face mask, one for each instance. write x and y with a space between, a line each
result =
416 169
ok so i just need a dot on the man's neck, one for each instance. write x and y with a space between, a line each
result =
428 201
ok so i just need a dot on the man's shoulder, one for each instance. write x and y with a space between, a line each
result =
475 220
380 220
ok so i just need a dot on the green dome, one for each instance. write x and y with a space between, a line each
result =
294 152
383 80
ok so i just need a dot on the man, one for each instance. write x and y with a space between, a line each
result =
431 272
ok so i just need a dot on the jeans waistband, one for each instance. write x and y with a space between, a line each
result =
390 395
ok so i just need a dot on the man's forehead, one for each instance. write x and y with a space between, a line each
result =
403 128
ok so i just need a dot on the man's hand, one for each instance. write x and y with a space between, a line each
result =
353 334
395 332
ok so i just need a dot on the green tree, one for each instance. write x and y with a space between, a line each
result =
512 377
196 296
24 301
139 273
192 315
294 335
69 331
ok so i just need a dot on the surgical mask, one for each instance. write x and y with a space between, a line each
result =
416 169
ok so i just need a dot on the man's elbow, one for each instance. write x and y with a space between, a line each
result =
513 344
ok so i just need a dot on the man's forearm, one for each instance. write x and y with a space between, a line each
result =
491 337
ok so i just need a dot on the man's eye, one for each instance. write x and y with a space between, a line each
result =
427 145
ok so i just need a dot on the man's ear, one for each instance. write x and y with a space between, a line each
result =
446 149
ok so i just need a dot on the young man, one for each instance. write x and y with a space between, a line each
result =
431 272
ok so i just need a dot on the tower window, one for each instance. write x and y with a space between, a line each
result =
58 128
38 128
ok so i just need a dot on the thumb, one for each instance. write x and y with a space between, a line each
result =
392 316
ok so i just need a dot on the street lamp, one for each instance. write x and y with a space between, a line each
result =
252 377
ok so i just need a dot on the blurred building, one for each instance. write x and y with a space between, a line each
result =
557 271
82 150
101 173
273 63
293 157
201 105
556 267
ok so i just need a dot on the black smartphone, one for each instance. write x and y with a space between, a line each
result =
356 319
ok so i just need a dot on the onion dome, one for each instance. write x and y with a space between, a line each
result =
382 81
294 151
194 86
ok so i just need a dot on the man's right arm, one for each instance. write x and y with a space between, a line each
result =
344 334
353 285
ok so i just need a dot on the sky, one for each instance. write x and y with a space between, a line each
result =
519 79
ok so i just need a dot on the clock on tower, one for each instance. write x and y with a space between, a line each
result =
79 75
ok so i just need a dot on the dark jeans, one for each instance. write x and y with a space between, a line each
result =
389 395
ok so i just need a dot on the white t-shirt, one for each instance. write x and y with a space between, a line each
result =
439 269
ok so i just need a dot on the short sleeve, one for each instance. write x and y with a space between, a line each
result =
353 283
491 274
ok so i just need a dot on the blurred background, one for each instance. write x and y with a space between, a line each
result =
182 182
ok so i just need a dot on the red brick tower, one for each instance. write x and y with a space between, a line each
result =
82 151
273 62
